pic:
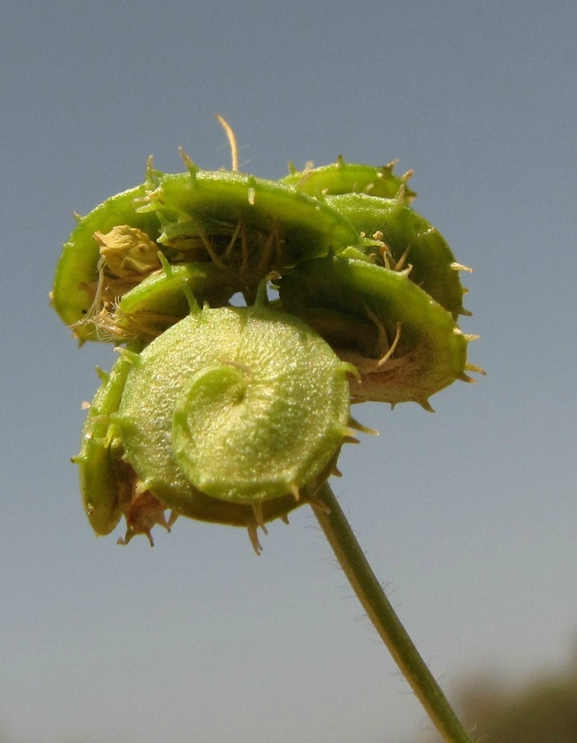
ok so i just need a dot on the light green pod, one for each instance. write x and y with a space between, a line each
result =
237 415
102 479
77 275
247 405
417 349
111 489
407 239
245 226
161 300
345 178
292 225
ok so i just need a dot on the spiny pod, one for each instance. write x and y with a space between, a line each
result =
79 278
236 415
161 300
345 178
268 225
406 239
233 415
404 344
111 488
234 391
99 460
245 226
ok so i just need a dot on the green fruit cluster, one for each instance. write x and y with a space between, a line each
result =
233 414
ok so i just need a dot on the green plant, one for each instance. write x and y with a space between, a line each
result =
237 415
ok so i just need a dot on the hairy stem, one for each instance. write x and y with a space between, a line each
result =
381 613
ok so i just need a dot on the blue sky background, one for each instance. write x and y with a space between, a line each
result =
469 516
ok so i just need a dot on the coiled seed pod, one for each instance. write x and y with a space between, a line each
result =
406 239
102 478
404 344
81 284
233 415
347 178
245 226
161 300
236 415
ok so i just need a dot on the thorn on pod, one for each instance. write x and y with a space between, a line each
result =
354 424
466 378
166 266
102 375
293 488
460 267
349 436
476 369
190 166
352 369
258 515
130 356
191 299
150 169
253 536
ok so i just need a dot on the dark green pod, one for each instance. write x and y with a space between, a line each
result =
77 270
245 226
99 460
429 352
161 300
344 178
408 237
203 203
237 415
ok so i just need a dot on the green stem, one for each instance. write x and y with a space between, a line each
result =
381 613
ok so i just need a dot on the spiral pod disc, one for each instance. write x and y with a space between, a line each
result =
246 405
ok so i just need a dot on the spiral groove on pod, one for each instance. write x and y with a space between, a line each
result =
233 415
247 404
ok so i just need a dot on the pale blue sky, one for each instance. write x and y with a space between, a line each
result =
469 515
